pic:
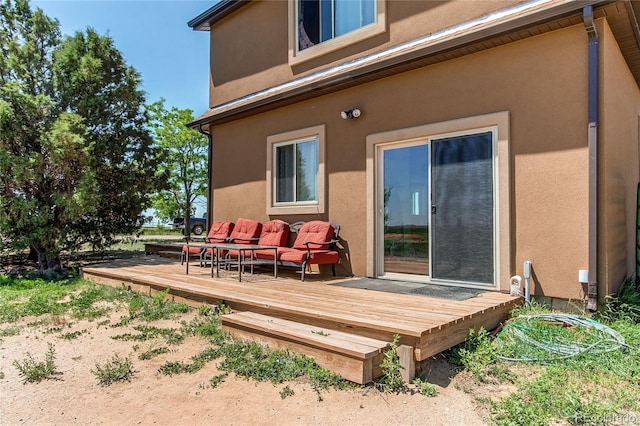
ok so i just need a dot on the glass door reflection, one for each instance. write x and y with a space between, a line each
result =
406 209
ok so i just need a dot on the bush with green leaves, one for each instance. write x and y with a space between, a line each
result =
117 369
158 306
391 380
476 354
425 388
33 371
625 306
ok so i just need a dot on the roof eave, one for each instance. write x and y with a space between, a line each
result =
354 69
215 13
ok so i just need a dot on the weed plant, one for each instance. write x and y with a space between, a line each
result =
216 380
198 361
391 380
625 306
117 369
72 335
171 336
9 331
478 356
152 353
33 371
425 388
157 307
286 392
207 325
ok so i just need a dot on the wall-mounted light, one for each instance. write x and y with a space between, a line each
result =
350 114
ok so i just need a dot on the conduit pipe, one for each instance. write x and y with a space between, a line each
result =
592 32
527 281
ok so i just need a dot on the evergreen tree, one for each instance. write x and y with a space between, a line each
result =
76 160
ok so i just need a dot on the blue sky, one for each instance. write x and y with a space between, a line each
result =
154 38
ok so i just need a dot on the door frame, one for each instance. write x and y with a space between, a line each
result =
502 224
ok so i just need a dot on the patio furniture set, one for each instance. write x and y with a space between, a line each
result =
248 242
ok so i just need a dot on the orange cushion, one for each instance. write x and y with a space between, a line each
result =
222 253
245 230
192 250
318 257
267 254
274 233
314 231
219 232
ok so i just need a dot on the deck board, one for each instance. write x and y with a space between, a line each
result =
427 323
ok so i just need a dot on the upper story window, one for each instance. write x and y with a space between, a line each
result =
322 20
317 27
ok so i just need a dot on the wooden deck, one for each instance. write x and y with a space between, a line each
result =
428 325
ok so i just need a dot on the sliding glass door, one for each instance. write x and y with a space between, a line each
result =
439 209
406 210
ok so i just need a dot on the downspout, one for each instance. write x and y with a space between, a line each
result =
592 292
209 175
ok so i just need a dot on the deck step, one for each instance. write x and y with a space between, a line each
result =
171 254
156 248
356 358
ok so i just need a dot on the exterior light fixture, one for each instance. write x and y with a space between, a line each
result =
351 114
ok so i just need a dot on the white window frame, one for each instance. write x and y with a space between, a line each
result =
288 138
379 26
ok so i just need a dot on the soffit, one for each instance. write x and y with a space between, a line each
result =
620 15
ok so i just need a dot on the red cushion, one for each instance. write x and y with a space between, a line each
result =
314 231
318 257
274 233
219 232
245 230
192 250
222 253
267 254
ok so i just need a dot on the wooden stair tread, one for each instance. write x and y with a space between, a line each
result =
170 254
350 344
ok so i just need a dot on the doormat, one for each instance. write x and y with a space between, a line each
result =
405 287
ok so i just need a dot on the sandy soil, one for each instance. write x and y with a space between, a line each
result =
75 397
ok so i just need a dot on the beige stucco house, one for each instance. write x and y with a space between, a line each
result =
452 141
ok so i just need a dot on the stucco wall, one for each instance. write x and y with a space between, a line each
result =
619 163
245 61
541 81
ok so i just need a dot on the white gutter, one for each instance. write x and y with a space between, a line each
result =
467 32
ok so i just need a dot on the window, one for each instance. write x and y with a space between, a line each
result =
322 20
296 177
318 27
295 172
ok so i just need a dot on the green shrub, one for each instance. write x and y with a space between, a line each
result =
475 354
425 388
625 306
117 369
32 370
391 380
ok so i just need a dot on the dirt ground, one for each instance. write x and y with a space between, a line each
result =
75 397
